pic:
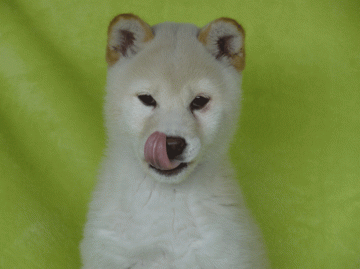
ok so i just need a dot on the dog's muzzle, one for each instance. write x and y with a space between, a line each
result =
163 153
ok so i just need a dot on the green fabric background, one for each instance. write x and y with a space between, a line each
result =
297 150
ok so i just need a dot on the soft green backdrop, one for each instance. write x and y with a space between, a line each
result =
297 150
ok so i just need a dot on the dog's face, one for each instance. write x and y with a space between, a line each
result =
173 92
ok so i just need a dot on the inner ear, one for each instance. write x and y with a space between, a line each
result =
224 48
127 35
224 39
126 42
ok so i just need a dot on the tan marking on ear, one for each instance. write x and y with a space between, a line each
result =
113 55
204 34
238 62
238 59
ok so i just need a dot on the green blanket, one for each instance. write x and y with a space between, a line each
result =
297 149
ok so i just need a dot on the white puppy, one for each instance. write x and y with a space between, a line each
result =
166 197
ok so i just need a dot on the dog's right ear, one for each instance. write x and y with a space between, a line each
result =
127 34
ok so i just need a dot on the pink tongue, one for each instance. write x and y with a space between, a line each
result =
155 152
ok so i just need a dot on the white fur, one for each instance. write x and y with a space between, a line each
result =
196 219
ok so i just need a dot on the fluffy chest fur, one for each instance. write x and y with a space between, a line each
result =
144 224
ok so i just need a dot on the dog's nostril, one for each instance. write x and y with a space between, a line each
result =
174 146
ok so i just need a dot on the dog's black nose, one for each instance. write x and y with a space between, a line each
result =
174 146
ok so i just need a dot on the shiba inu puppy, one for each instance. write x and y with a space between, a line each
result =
166 197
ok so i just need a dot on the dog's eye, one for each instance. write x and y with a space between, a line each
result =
147 100
199 102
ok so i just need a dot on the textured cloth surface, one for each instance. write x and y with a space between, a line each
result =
296 150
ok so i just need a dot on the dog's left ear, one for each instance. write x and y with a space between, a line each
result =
127 35
224 38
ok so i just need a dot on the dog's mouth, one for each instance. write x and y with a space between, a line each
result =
163 154
171 172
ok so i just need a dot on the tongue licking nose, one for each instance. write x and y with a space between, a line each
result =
156 154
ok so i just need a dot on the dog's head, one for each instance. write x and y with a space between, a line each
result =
173 92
